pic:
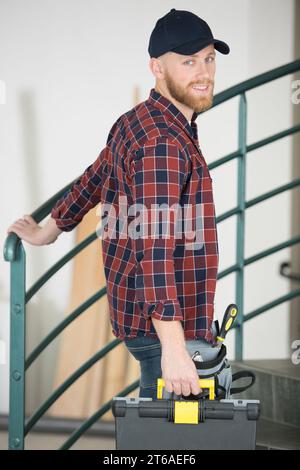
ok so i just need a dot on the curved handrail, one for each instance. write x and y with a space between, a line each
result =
258 256
256 81
256 145
63 324
12 240
41 212
263 197
12 245
285 272
89 422
280 300
67 383
59 264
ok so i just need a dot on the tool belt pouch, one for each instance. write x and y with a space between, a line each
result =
220 369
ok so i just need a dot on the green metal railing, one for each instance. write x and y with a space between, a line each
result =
14 253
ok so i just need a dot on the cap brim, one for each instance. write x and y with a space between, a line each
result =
198 44
221 46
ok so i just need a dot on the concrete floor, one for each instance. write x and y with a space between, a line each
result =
269 435
45 441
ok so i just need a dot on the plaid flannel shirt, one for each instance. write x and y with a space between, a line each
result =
152 156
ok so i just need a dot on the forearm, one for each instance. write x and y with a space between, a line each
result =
170 333
178 370
82 196
50 231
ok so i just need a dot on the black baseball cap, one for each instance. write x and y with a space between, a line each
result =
182 32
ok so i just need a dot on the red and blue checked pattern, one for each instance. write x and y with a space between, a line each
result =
152 156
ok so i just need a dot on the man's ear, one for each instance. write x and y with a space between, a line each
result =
156 66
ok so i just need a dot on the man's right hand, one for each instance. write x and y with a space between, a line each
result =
28 230
179 371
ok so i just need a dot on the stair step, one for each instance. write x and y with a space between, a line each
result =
277 387
271 436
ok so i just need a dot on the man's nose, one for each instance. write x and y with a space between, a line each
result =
202 72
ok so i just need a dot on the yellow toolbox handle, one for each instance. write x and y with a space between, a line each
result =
203 383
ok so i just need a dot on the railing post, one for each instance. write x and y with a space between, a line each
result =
17 351
240 238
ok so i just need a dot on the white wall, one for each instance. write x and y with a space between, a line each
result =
70 68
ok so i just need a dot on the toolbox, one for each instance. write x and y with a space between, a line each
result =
204 424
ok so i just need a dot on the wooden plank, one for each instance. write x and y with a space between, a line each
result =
84 336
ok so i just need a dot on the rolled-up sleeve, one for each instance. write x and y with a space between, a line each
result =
158 173
84 194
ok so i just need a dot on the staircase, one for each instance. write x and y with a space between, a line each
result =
277 387
277 384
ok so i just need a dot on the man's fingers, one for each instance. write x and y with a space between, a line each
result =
185 389
173 387
29 219
181 388
17 227
177 390
195 387
14 230
168 386
20 224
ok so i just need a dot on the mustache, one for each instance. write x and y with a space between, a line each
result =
202 83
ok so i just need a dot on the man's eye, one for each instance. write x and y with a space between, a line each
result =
208 59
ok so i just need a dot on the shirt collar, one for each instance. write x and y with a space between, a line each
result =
165 105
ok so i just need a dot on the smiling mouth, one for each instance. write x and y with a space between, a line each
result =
200 89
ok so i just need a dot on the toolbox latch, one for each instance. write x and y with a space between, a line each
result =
186 412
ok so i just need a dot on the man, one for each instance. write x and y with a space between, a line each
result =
160 288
